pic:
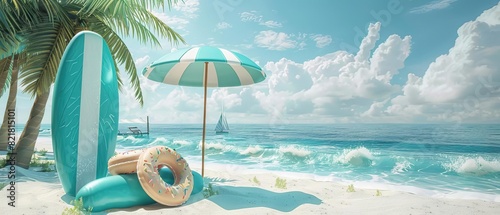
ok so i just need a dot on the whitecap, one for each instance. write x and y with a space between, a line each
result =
159 141
401 166
252 150
473 166
181 142
215 146
360 156
294 150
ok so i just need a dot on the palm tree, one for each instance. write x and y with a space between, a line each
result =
9 54
6 66
48 26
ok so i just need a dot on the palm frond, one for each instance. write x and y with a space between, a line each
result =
18 14
45 44
132 19
6 65
115 18
121 55
90 6
9 44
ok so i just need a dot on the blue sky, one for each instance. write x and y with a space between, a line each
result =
329 61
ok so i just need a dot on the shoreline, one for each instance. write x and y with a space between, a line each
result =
39 192
254 191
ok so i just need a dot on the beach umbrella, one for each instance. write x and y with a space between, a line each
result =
204 66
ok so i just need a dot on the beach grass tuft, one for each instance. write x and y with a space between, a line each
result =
378 193
77 208
255 180
45 165
280 183
3 162
350 188
209 191
42 152
2 185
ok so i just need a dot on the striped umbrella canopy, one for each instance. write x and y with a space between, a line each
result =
186 67
204 66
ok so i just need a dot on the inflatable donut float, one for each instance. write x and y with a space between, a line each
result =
125 162
150 161
147 163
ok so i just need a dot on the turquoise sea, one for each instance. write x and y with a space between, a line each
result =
454 160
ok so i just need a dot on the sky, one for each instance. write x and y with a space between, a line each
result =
356 61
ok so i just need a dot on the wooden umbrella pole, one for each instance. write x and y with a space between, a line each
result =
204 121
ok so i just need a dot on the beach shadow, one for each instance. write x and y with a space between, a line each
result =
234 198
155 207
67 198
23 175
207 180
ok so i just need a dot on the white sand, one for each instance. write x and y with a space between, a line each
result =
41 193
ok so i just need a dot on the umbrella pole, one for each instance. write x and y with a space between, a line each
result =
204 121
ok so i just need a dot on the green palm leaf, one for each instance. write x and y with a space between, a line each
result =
6 65
43 28
45 44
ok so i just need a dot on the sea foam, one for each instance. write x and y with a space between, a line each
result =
216 146
360 156
159 141
294 151
401 166
181 142
473 166
252 150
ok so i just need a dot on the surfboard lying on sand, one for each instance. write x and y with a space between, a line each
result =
84 111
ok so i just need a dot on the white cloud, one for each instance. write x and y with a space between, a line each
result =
321 40
389 57
275 40
368 42
491 16
175 22
435 5
271 24
376 109
188 10
462 85
142 61
250 17
287 75
188 7
337 86
223 25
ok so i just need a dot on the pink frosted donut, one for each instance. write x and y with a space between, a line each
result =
125 162
153 159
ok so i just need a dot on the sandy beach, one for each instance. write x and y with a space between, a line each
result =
248 192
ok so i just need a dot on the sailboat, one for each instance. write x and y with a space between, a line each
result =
222 126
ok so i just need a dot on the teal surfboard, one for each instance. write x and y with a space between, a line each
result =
84 111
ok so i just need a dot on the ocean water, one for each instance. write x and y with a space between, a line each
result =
456 161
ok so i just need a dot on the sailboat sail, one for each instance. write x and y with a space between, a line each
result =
222 126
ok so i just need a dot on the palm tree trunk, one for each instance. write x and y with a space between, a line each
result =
7 65
26 144
11 105
3 79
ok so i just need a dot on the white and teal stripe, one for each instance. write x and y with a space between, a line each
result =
84 111
186 67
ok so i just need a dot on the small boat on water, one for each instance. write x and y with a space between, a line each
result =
222 126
